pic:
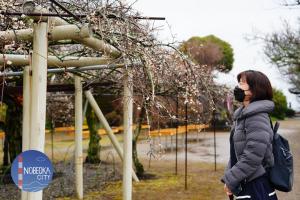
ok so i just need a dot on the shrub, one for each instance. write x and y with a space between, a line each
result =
280 104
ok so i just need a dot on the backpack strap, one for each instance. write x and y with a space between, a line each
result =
271 123
275 127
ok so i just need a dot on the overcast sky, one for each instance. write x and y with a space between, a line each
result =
230 20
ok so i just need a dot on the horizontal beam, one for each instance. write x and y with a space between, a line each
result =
56 33
71 69
64 32
77 15
17 90
53 61
8 36
69 32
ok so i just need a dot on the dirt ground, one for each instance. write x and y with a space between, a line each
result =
200 151
203 151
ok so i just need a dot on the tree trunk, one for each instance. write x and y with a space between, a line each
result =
94 144
5 152
138 166
13 129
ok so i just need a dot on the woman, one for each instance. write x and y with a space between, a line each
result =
251 140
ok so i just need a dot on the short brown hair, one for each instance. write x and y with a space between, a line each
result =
259 84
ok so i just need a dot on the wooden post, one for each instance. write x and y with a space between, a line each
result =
127 146
26 116
38 93
26 109
78 138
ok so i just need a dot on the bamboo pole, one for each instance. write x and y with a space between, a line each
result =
99 45
26 109
38 93
6 13
53 61
127 145
26 116
84 109
70 69
69 31
9 36
107 128
78 138
56 33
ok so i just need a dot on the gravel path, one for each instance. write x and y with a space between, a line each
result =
203 150
291 130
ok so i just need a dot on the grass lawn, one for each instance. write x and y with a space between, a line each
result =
203 184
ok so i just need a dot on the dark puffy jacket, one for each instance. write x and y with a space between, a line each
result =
252 140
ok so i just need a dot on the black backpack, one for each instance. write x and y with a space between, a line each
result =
281 174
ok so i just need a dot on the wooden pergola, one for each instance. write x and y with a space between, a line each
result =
35 66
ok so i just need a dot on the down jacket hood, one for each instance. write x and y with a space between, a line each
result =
262 106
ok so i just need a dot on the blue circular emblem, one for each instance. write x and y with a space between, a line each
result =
32 171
